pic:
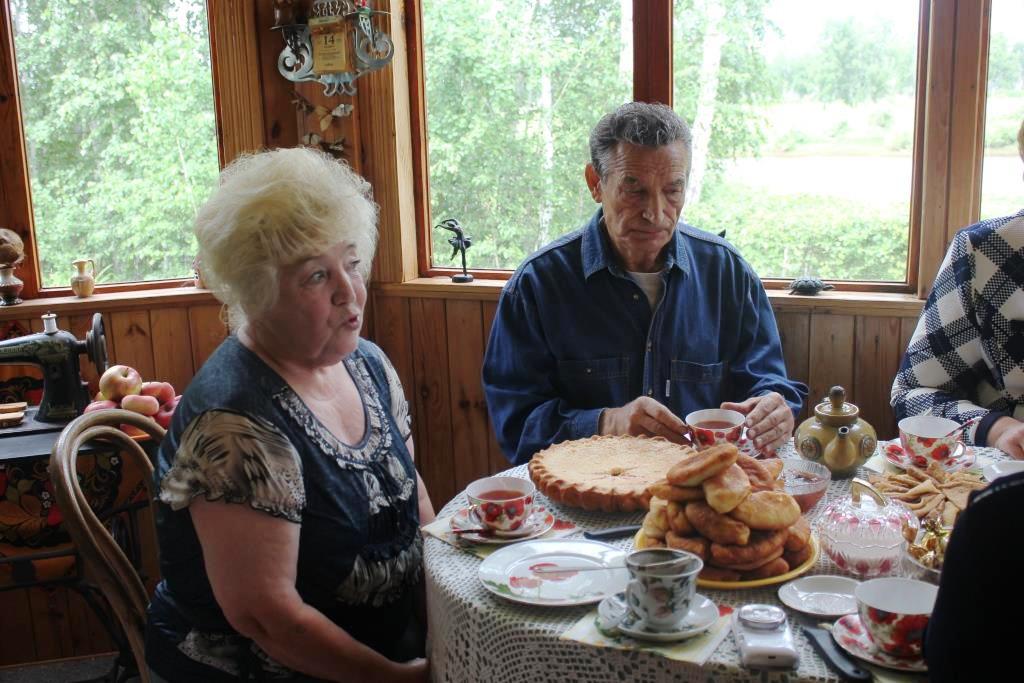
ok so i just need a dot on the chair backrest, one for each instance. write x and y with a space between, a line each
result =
103 560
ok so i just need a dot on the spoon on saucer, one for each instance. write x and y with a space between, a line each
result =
683 562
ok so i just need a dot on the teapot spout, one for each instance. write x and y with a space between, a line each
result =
841 453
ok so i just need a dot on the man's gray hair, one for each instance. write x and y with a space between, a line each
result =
638 123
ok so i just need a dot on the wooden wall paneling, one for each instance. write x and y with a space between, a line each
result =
132 341
433 418
878 354
172 347
470 423
207 330
50 625
18 642
907 327
831 355
494 453
393 335
795 332
280 119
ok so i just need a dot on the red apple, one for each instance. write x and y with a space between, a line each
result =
99 405
165 414
163 391
132 430
144 405
99 396
120 381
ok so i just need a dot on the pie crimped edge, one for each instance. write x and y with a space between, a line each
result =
607 473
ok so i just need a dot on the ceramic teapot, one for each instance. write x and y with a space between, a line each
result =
836 437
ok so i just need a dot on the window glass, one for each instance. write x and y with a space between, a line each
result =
117 104
512 90
803 121
1001 188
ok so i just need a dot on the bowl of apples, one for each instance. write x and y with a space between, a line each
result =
121 386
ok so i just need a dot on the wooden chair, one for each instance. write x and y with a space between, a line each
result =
103 561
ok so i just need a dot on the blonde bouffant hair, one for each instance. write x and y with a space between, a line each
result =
273 209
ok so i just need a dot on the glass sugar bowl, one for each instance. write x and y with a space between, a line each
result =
866 534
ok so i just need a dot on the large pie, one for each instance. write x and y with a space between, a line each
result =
609 473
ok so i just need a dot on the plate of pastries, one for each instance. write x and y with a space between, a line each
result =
725 507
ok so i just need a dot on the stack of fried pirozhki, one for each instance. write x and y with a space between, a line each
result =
725 507
932 492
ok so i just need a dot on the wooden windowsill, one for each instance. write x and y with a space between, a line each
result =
848 303
109 301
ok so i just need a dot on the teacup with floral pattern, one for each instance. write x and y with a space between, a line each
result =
930 438
502 504
714 426
895 613
661 586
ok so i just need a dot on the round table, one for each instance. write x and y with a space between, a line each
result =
477 636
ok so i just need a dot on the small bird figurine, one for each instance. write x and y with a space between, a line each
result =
460 242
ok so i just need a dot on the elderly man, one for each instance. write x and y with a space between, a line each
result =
966 358
634 321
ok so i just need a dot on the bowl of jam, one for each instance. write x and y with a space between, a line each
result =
805 480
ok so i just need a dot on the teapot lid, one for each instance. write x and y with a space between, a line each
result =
835 410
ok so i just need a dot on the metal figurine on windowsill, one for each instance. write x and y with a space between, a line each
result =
460 243
337 44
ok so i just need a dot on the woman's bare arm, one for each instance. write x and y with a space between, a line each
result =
251 558
426 507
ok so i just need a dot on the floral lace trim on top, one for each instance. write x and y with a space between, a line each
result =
377 438
238 459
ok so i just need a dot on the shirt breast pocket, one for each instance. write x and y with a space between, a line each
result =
697 384
595 382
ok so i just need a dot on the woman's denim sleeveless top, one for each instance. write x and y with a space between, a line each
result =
360 552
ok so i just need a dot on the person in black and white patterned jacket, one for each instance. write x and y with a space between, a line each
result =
966 358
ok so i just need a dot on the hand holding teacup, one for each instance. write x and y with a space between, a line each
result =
769 420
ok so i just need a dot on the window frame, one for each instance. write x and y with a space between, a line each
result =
237 88
948 149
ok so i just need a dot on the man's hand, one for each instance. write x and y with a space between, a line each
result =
642 417
1007 434
769 420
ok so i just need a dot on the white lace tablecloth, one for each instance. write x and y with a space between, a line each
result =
477 636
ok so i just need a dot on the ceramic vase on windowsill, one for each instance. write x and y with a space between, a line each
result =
10 286
83 283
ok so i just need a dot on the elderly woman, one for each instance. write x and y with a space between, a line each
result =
289 507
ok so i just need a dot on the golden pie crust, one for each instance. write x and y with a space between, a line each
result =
609 473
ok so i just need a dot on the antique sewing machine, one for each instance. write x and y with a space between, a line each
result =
56 351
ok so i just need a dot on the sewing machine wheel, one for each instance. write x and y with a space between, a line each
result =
96 344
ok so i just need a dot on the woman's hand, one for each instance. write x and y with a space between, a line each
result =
414 671
1007 434
769 420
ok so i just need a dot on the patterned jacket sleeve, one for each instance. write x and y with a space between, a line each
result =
945 360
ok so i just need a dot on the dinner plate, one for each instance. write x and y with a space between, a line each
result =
537 524
963 457
757 583
821 596
508 572
613 614
851 635
1001 468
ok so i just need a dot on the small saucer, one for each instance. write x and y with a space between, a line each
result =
851 635
821 596
962 458
614 615
538 523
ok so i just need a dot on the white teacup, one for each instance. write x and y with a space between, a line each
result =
661 587
502 503
928 438
714 426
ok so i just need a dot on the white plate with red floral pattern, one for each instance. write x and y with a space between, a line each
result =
509 572
465 522
851 635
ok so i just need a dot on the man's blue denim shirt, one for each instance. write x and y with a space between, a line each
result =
574 334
